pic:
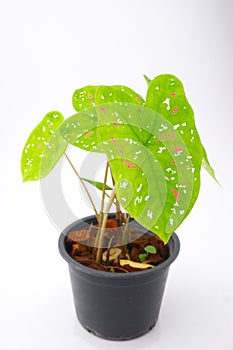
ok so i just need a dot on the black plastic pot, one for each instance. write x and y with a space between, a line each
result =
117 306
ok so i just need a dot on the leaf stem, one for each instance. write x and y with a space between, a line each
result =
103 225
104 188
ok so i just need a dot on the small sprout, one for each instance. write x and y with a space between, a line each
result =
142 257
149 249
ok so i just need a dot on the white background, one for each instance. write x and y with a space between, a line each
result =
50 48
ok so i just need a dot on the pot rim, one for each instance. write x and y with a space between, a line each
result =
173 243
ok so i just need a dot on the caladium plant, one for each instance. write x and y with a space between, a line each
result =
153 149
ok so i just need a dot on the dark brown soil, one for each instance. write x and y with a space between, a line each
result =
117 258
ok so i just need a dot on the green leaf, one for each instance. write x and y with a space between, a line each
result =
98 184
150 249
166 96
84 98
142 257
43 148
81 131
208 167
89 96
154 173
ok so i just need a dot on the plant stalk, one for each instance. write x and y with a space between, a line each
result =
103 226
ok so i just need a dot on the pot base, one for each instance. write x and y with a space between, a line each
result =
117 338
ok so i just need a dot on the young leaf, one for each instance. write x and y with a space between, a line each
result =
43 148
142 257
98 184
150 249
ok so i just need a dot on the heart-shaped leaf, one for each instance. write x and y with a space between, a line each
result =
156 176
43 148
143 161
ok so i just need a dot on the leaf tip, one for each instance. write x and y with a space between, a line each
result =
148 80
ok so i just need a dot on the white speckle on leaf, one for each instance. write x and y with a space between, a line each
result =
123 199
137 200
150 214
167 102
139 188
124 184
176 126
161 149
163 127
147 197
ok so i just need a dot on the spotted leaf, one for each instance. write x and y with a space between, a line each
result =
166 95
153 173
89 96
43 148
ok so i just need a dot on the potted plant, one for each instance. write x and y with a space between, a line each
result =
119 261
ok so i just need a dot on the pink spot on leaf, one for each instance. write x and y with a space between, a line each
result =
39 146
90 95
116 124
114 140
91 102
88 134
137 99
173 163
103 110
173 94
173 136
128 164
175 110
176 194
121 151
178 149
